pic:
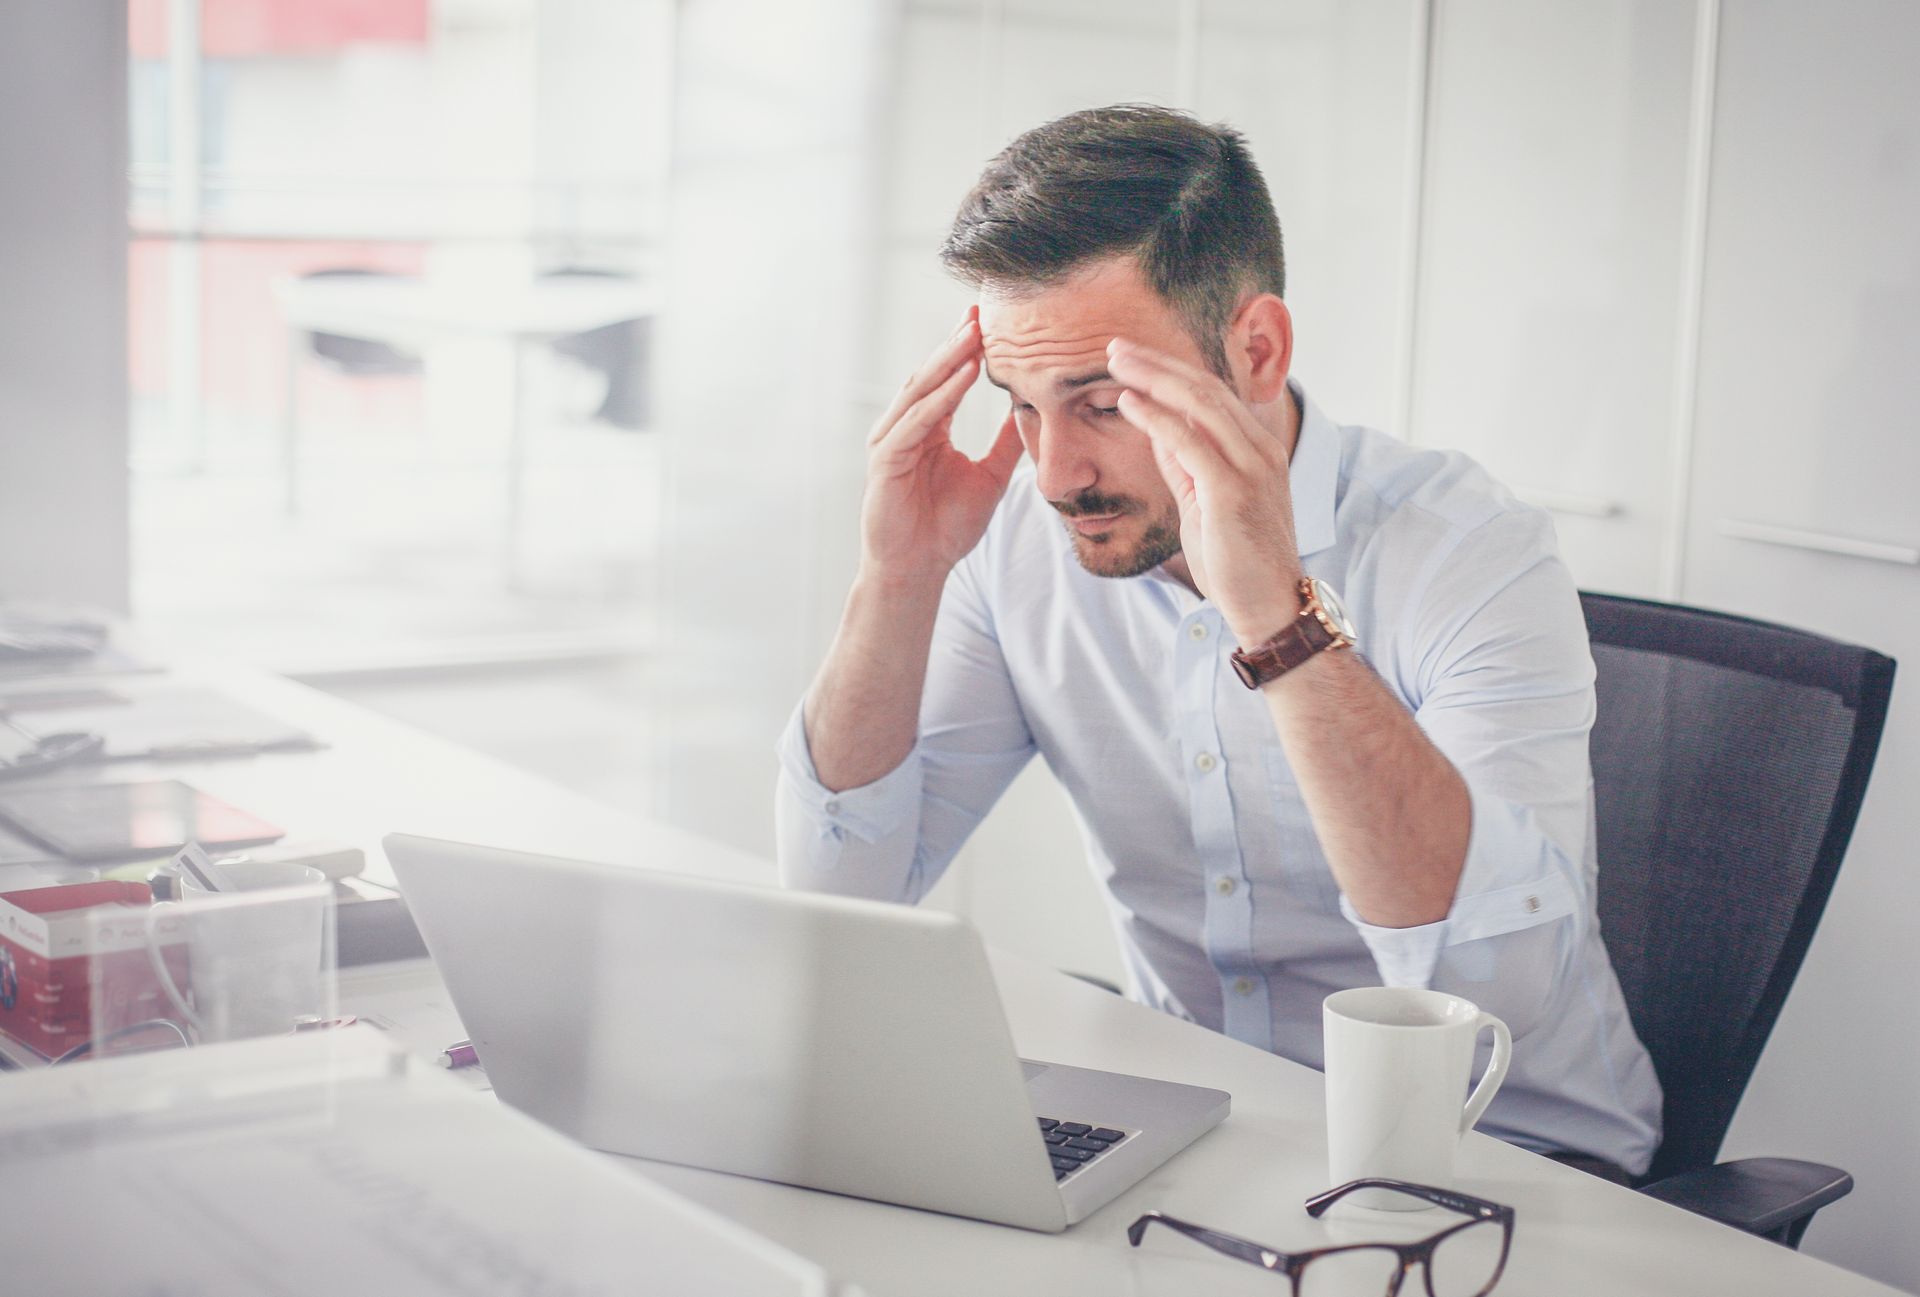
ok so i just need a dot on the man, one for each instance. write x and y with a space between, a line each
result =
1281 799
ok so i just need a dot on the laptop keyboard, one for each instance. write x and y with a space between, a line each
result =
1075 1144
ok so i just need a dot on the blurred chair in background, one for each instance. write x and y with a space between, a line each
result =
344 354
620 352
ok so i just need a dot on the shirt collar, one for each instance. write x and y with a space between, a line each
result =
1313 475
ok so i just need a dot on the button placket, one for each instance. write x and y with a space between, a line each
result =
1198 667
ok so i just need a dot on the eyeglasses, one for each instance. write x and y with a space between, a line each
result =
1463 1260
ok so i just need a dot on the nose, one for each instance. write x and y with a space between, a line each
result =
1062 466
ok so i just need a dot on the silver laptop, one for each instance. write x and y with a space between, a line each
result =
839 1044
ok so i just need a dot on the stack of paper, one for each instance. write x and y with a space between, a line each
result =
324 1164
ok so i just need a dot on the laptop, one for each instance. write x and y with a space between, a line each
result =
839 1044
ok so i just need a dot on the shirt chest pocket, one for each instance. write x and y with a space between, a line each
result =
1294 847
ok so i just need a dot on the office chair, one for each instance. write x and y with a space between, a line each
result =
342 353
351 355
620 352
1730 757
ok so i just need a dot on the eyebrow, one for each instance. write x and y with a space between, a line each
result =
1071 383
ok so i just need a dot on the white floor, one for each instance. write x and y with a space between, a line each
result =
399 553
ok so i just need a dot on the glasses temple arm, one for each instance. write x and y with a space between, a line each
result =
1464 1203
1231 1244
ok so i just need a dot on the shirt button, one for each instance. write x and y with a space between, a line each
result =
1243 986
1223 885
1533 905
1197 631
1205 762
833 806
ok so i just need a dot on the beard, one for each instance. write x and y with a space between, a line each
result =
1107 555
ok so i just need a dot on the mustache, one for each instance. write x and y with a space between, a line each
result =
1093 504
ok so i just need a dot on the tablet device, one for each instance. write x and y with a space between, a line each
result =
128 821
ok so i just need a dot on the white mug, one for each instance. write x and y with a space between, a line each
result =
259 954
1398 1060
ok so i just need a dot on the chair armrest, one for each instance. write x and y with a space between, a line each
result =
1770 1196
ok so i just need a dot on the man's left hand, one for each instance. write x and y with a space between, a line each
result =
1228 473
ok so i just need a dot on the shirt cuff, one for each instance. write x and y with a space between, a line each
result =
1404 956
869 812
1514 878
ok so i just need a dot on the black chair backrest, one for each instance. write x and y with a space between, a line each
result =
1730 757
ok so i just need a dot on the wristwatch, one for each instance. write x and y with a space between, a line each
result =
1321 625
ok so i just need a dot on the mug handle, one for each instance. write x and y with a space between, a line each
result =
165 978
1496 1069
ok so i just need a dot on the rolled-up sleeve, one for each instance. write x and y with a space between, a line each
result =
1505 690
858 841
892 839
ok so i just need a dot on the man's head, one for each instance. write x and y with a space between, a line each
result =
1183 199
1133 222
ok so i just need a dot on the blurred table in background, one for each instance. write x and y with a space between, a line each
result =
410 314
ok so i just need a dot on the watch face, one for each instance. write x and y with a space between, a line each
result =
1331 605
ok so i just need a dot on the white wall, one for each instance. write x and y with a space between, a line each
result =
1552 264
63 303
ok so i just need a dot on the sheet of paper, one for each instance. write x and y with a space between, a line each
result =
160 718
402 1184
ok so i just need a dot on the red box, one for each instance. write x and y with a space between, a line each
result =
68 953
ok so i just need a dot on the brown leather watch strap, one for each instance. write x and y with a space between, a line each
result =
1306 636
1313 631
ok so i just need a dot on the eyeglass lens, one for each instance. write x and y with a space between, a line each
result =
1351 1272
1466 1263
1463 1264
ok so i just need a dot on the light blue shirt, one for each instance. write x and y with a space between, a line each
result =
1225 907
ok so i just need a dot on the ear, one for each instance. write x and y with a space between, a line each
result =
1260 347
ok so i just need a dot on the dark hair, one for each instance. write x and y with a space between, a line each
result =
1183 197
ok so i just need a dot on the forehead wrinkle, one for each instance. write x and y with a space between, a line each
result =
1086 354
1063 383
1041 343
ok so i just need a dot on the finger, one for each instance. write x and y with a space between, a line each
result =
1186 493
1200 397
961 344
939 365
1004 454
932 413
1179 482
1161 360
1192 452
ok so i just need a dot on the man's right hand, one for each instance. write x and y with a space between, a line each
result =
926 506
926 503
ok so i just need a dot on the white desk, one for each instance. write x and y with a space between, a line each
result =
411 314
1576 1234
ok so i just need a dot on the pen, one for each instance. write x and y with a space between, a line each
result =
459 1054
